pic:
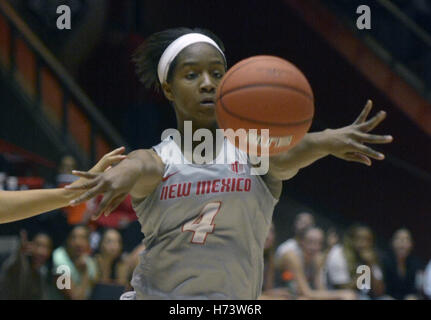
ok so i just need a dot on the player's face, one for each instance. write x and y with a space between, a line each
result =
198 71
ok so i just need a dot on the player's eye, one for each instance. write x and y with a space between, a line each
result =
191 75
218 74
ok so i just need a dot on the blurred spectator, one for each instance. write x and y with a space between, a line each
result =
76 256
401 270
427 281
123 218
343 260
306 267
111 268
26 275
332 238
269 290
302 221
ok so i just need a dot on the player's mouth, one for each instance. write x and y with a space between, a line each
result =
208 102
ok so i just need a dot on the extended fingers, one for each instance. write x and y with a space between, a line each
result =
365 112
357 157
104 204
95 191
115 152
373 122
83 186
114 204
83 174
373 138
114 159
368 151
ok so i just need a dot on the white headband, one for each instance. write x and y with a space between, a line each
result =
176 47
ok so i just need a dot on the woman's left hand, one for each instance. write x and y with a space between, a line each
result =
347 143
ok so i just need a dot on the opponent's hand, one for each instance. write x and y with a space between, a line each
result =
348 143
115 184
103 164
108 160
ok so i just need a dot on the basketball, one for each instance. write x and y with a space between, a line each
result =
266 92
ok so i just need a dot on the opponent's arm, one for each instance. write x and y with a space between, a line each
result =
346 143
138 175
18 205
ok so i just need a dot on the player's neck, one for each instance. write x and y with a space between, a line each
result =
187 137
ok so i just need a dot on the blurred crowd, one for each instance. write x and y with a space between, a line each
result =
343 265
64 254
67 255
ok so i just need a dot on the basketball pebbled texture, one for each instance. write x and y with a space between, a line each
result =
266 92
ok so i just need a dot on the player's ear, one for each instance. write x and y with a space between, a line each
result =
167 90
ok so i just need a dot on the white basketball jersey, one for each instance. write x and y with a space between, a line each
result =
205 227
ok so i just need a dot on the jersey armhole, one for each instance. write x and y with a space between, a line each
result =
264 183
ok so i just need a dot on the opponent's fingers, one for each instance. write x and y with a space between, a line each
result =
115 152
373 122
83 186
365 112
357 157
373 138
109 168
84 174
95 191
365 150
114 159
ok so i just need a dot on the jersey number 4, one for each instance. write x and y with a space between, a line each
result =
204 223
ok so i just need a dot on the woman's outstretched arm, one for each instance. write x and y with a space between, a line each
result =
346 143
18 205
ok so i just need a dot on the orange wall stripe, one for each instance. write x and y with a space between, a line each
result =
371 66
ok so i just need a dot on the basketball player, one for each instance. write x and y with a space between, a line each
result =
18 205
205 225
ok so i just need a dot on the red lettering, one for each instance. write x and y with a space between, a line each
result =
233 184
225 184
237 186
186 192
247 186
198 187
208 186
215 186
164 193
171 191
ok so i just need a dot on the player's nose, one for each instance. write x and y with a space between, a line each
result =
207 84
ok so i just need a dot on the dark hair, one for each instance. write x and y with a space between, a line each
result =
148 54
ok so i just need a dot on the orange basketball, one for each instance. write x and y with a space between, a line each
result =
266 92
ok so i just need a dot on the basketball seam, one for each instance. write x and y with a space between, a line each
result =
282 124
269 85
252 120
245 64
